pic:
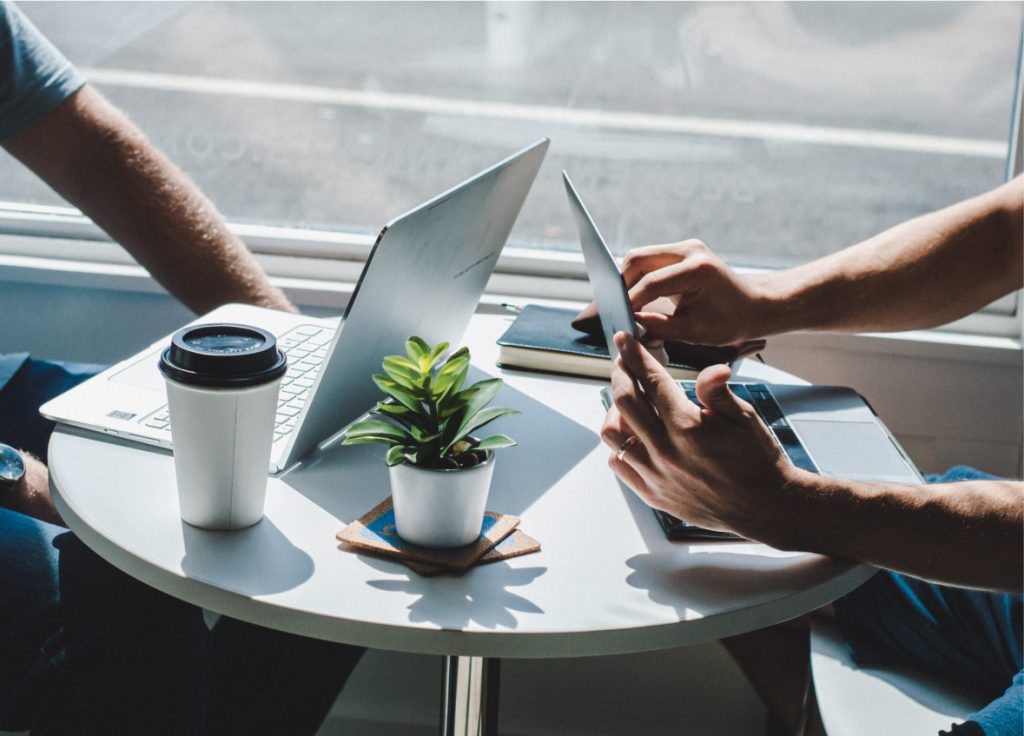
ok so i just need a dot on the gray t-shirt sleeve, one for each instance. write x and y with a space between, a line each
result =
34 76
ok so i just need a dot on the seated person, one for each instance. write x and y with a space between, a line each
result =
85 649
950 596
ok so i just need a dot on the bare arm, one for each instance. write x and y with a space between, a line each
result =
922 273
969 533
93 156
31 494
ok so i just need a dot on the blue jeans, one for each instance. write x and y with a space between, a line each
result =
969 636
86 649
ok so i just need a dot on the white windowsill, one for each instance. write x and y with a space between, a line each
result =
506 288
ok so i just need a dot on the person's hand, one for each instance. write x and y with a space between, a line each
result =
683 291
717 467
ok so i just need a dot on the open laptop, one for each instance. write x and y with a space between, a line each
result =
829 430
424 276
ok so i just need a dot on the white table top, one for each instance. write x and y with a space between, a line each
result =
606 580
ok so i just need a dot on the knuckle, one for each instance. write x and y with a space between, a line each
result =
704 264
645 282
678 426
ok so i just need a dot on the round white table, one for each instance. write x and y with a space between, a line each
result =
606 580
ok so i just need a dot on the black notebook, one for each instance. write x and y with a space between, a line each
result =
543 339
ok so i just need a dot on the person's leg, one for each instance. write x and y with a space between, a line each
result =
776 661
129 658
1004 716
35 383
970 636
29 577
967 636
266 682
85 648
29 603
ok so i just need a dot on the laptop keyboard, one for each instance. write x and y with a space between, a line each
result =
758 396
306 347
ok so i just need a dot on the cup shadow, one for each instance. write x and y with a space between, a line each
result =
258 561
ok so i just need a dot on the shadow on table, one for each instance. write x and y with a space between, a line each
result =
710 576
258 560
479 597
349 481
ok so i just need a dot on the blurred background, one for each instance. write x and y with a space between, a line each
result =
775 132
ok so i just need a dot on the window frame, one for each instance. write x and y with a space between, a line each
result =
319 267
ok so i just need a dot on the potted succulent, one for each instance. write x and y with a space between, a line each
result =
440 472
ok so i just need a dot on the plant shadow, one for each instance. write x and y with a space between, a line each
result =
480 597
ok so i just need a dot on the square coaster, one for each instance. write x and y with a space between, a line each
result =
375 531
514 545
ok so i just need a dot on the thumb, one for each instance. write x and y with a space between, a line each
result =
715 394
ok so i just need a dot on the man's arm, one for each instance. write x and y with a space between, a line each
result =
31 494
94 157
922 273
969 533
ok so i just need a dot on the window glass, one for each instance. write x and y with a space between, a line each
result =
775 132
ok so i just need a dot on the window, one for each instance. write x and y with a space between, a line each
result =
776 132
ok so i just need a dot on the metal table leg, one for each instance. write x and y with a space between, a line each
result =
469 696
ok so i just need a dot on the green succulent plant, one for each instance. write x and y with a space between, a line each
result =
427 417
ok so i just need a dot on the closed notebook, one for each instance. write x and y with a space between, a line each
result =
543 339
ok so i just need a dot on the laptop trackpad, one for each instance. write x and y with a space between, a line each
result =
854 450
143 373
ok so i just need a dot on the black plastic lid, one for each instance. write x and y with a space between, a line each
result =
223 355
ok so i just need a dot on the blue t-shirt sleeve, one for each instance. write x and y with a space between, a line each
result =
34 76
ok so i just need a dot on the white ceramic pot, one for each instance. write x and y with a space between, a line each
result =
440 508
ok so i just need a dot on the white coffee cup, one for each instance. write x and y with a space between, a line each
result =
222 385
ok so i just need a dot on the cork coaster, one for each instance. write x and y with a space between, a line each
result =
515 544
375 532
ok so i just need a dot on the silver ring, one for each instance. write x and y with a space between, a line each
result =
626 445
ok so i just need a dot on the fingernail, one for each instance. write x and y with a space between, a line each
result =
620 340
641 331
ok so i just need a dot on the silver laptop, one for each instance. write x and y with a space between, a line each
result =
425 275
829 430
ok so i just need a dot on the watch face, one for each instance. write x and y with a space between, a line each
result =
12 467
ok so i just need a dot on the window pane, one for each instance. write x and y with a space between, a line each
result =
774 132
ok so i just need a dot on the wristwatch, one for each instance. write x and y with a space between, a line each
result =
12 467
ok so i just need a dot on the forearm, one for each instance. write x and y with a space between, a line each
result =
969 533
100 162
921 273
31 494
